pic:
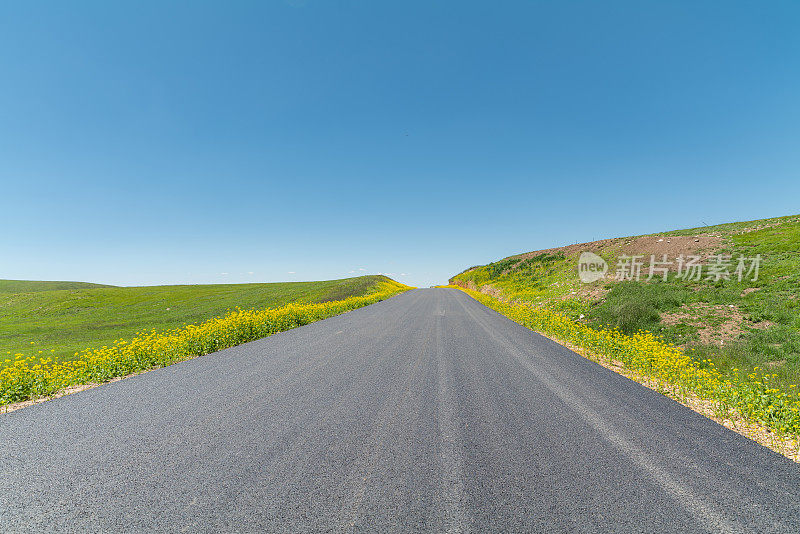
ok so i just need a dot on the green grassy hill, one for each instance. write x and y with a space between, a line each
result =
738 325
61 318
30 286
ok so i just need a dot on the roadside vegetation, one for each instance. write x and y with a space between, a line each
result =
734 342
59 319
40 375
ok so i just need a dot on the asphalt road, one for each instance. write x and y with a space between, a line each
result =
426 412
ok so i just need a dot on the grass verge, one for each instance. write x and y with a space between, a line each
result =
28 378
770 415
60 319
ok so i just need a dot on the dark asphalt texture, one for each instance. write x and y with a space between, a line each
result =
424 413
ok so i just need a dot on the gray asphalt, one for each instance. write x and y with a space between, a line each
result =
426 412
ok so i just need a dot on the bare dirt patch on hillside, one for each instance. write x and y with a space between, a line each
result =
492 291
646 246
716 324
593 292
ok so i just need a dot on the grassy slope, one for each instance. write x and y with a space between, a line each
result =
765 319
29 286
61 318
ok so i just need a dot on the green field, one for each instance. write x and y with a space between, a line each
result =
61 318
737 325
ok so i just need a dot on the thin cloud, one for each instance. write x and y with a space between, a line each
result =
292 272
361 269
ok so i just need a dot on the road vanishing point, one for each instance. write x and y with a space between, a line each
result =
427 412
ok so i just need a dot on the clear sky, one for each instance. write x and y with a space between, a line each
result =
194 142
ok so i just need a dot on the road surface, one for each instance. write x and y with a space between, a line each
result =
426 412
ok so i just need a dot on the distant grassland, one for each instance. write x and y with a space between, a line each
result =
36 376
29 286
58 319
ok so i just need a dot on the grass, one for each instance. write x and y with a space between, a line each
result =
58 319
37 376
29 286
739 327
631 307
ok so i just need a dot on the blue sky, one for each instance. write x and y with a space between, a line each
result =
203 142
